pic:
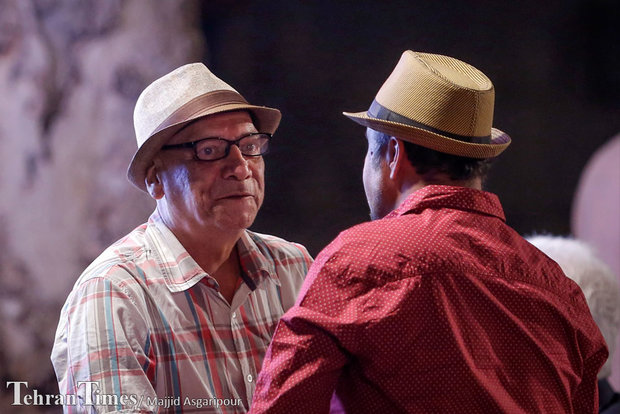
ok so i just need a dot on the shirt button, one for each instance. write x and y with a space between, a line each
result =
250 378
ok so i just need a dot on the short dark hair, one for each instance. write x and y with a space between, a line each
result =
426 160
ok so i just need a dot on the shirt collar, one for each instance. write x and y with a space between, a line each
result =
444 196
180 270
256 260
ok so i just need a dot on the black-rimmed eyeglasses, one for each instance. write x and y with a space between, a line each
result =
254 144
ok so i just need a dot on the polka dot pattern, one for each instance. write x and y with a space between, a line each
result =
440 307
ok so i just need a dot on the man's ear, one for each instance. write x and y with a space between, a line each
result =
153 183
395 156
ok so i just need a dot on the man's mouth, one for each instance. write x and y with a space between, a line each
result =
236 196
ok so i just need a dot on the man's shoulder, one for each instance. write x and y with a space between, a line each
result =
375 245
373 239
368 230
430 243
277 247
121 261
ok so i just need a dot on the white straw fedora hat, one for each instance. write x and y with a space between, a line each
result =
437 102
183 95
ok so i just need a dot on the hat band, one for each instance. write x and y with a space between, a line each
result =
379 111
201 104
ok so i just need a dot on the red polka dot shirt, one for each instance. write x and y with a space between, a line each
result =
439 307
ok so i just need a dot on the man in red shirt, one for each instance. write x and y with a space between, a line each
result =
435 306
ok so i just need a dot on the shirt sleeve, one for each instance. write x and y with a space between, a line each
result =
102 353
586 399
311 344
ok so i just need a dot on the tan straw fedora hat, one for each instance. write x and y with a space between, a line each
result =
437 102
183 95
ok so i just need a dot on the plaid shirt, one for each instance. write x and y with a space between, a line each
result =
145 329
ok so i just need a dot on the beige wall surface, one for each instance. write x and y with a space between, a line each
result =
70 72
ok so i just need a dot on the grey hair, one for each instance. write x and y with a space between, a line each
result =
597 281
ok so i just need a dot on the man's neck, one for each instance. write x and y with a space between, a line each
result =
215 252
210 248
208 245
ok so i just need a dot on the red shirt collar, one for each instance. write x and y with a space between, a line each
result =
445 196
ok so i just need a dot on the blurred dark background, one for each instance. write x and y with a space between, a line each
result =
554 66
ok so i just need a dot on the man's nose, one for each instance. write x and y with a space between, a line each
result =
238 166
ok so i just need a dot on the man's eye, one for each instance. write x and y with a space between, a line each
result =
250 148
207 150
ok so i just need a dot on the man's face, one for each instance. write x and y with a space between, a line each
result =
225 193
376 178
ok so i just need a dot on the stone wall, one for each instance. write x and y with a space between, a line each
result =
70 72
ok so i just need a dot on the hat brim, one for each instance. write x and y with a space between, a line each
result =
265 119
428 139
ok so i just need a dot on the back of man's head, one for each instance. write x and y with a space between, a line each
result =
597 281
429 163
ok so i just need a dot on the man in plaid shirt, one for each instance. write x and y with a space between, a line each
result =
177 315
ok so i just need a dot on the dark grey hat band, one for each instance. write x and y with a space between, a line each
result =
380 112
